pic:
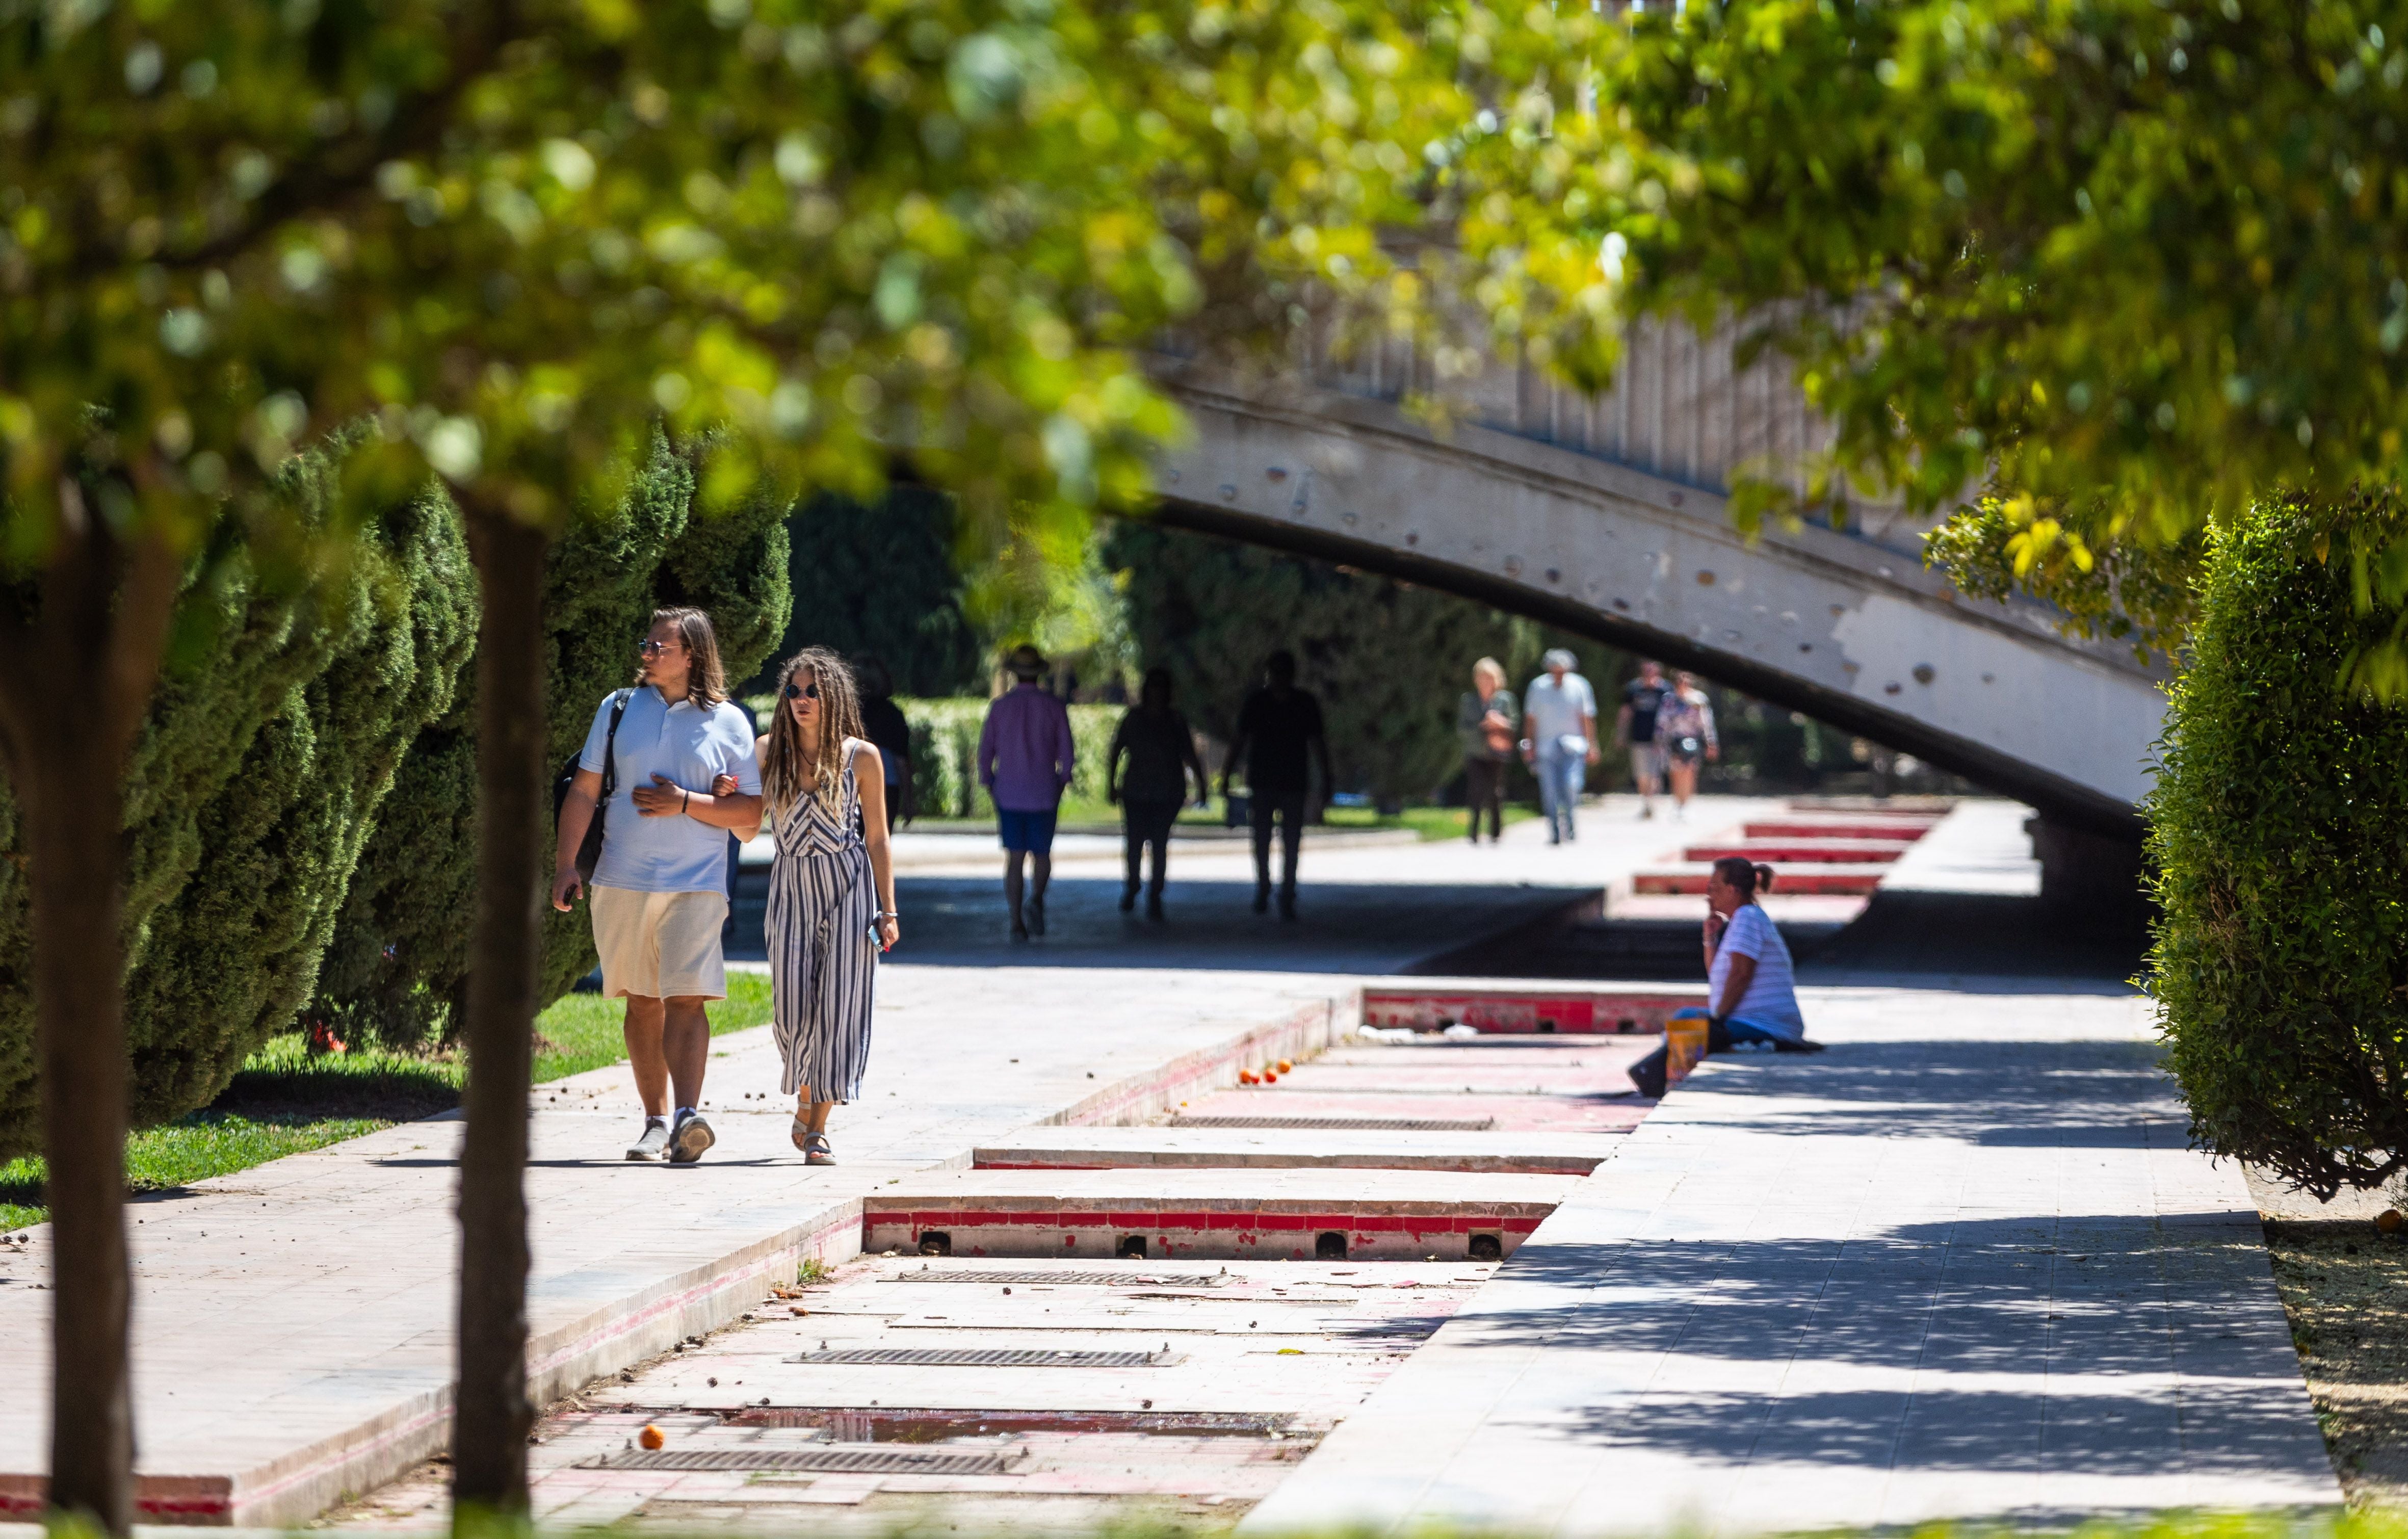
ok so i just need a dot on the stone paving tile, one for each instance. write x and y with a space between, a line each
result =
276 1307
1280 1349
1962 1265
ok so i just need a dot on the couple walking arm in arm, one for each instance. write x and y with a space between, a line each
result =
686 772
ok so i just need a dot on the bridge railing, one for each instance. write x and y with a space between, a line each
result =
1679 410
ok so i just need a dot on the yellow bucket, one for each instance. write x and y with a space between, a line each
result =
1685 1048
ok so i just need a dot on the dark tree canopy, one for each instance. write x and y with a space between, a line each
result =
881 577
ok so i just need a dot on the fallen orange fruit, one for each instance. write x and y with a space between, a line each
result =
2390 1220
1269 1078
1284 1066
651 1437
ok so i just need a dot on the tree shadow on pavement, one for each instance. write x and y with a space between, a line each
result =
1984 1344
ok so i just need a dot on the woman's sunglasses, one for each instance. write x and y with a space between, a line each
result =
802 692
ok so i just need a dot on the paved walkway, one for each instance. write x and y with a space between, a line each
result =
1961 1265
292 1321
293 1336
1365 907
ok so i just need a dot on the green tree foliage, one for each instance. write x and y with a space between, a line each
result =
514 234
2132 265
269 746
2278 829
400 955
881 577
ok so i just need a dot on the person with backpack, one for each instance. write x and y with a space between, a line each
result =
657 871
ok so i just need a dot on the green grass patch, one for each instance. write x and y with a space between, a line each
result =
283 1100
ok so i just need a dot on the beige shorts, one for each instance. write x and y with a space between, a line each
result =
664 945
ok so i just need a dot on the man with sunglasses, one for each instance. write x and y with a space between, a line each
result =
660 888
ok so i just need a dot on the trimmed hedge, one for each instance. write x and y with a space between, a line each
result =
400 955
944 753
2278 832
270 744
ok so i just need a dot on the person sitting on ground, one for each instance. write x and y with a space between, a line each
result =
1025 757
1750 985
1160 753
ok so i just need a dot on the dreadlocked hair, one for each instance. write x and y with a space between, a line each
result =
790 764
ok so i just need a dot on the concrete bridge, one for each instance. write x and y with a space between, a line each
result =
1609 518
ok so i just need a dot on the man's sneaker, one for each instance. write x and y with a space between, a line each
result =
655 1142
692 1136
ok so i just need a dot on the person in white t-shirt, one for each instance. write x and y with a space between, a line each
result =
660 888
1559 739
1751 989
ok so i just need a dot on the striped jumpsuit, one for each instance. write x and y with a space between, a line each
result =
822 956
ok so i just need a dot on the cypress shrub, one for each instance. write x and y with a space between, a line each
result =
879 577
270 743
400 951
2278 831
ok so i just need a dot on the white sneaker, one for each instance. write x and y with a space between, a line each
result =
654 1143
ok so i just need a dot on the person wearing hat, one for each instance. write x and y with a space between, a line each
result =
1025 759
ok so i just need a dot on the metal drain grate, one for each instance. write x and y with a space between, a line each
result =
833 1460
1358 1124
1073 1279
972 1357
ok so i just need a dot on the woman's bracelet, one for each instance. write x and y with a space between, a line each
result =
685 801
887 913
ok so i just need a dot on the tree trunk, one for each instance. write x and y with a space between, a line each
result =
87 663
73 809
492 1417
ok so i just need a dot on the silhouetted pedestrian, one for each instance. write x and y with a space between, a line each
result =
1161 753
1024 760
1489 725
883 722
1560 721
1634 726
1277 730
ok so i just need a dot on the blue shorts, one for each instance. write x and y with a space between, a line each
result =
1027 833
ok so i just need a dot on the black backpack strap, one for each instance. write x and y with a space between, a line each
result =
610 744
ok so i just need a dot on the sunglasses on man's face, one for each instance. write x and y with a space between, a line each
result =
802 692
654 649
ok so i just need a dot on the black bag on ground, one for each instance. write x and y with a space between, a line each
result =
589 853
1648 1072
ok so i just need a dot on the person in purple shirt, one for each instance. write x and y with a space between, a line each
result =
1024 757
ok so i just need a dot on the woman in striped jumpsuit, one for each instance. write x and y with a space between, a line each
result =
831 888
